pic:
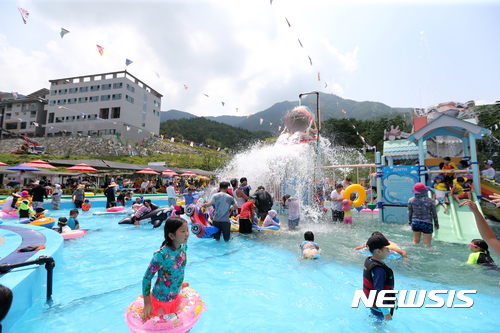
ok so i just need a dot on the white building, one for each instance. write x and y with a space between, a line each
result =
103 104
24 116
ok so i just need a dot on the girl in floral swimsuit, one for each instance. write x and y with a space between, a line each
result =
169 261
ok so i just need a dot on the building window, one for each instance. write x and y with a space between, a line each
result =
33 106
73 90
129 99
105 97
94 99
26 106
117 85
9 107
32 114
51 117
94 88
103 132
115 113
53 92
104 113
91 117
117 96
61 102
63 91
59 119
23 125
32 124
70 119
92 133
80 118
11 126
83 100
52 103
84 89
130 88
8 115
157 104
106 86
144 104
112 131
72 101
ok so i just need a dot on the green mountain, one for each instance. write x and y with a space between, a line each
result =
230 120
209 132
330 107
175 114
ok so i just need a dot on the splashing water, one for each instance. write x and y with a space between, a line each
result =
288 167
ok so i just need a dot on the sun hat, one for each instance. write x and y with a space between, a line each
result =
420 188
441 187
439 176
113 184
490 162
25 194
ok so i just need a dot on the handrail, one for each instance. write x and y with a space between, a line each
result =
49 266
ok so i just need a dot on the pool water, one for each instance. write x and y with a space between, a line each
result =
259 283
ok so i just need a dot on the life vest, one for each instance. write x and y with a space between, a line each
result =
462 189
450 166
368 278
86 207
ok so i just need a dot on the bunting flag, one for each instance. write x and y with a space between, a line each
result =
310 60
63 107
128 62
270 124
157 74
279 128
319 77
128 128
236 109
302 46
186 87
205 95
326 84
51 128
218 149
80 134
63 32
289 25
82 114
139 130
344 111
24 14
100 49
162 136
129 146
192 144
36 124
172 139
261 120
223 103
14 94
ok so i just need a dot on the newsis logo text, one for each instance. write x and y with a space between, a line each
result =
408 299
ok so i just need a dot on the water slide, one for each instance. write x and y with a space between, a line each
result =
458 224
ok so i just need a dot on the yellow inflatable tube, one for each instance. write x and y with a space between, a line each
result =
361 194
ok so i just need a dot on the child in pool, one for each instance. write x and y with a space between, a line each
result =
86 205
169 261
39 214
310 250
439 194
346 207
72 221
269 220
480 254
143 209
25 209
461 190
393 246
63 226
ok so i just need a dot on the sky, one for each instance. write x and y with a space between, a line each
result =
243 53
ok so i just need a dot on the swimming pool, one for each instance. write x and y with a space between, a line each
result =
258 283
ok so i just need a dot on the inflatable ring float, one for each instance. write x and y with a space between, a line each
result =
47 222
73 234
182 321
361 194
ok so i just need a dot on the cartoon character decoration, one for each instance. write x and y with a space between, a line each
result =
395 133
300 125
452 109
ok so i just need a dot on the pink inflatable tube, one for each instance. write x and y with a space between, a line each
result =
115 209
366 210
73 234
12 213
173 322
